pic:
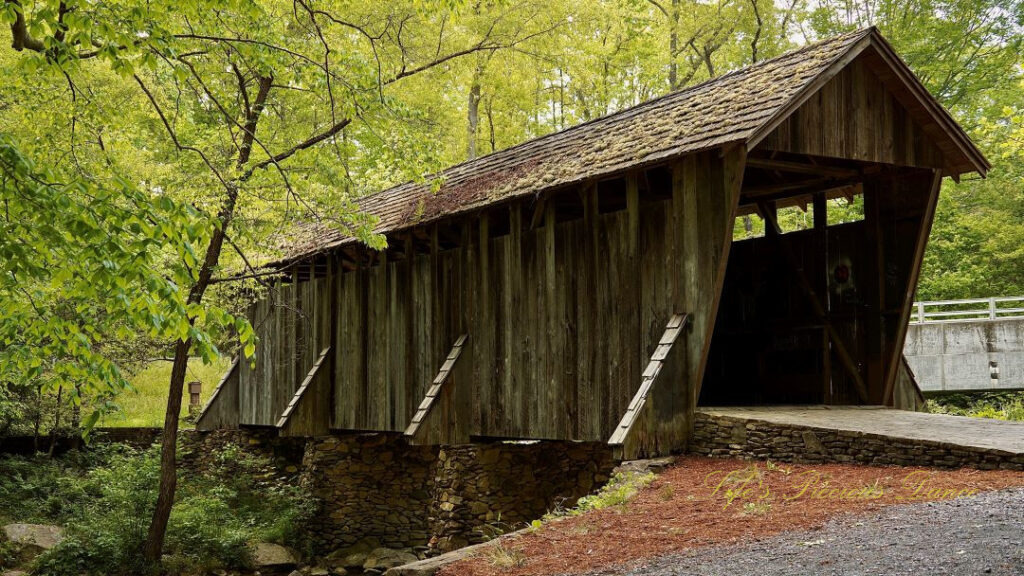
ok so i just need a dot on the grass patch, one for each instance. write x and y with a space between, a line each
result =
144 404
622 487
997 405
504 557
757 508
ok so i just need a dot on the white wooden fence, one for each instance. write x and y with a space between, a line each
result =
969 309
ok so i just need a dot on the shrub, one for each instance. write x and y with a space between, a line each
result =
106 535
218 517
997 405
49 490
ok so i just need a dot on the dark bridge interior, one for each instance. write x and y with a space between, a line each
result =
809 313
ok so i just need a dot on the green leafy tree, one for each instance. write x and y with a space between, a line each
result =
249 115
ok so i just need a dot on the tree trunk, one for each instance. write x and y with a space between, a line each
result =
56 421
38 420
673 47
168 447
154 545
76 409
168 455
490 124
473 118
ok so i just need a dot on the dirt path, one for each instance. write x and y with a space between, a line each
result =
979 535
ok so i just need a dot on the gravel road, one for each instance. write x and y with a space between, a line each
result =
980 535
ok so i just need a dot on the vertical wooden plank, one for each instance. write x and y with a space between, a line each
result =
513 325
551 389
632 317
588 360
486 402
533 367
441 301
293 315
567 256
463 300
874 288
377 397
820 285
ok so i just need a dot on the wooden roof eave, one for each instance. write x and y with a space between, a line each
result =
667 155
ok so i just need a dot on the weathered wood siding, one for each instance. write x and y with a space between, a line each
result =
854 116
688 272
292 321
563 298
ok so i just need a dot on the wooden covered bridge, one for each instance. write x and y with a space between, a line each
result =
586 285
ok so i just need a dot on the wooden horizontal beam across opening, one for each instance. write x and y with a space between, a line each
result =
309 412
801 167
221 410
438 428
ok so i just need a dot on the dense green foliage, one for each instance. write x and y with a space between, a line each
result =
998 405
105 496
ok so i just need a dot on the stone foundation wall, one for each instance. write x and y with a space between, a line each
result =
727 436
478 489
376 490
371 487
197 450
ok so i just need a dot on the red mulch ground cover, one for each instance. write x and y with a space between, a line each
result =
689 505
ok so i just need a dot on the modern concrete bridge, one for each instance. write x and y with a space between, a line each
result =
967 345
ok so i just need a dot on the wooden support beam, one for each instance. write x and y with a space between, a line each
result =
818 309
309 412
915 270
784 190
820 203
769 213
416 432
222 409
539 212
873 292
802 168
639 404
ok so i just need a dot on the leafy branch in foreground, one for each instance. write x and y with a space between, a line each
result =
84 263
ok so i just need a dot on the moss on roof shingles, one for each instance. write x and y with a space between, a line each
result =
724 110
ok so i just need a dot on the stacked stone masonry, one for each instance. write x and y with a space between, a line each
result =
727 436
377 488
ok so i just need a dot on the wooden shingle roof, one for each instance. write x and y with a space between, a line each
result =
736 108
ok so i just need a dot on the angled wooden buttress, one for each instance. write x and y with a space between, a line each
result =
435 421
633 432
309 412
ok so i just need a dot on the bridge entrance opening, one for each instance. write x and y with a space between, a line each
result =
819 277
